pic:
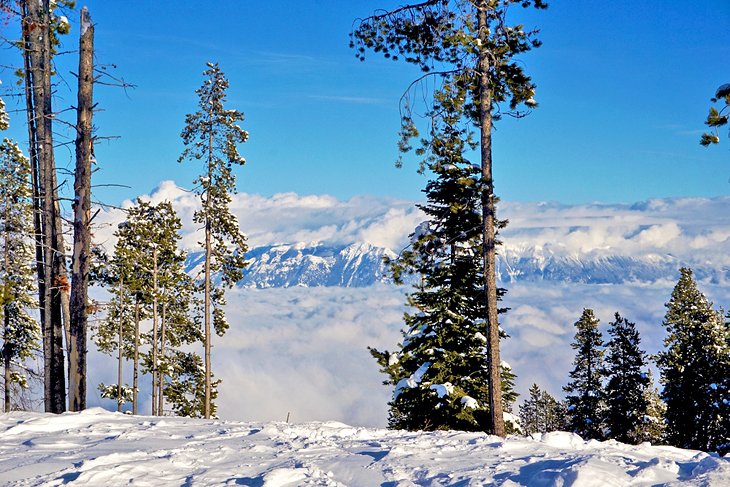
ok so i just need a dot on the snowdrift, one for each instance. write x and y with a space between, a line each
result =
97 447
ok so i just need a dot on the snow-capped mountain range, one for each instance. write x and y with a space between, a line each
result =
362 264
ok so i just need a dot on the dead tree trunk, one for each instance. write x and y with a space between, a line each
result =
37 25
489 222
82 214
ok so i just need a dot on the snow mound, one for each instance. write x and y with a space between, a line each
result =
99 448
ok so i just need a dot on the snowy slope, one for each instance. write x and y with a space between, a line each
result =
100 448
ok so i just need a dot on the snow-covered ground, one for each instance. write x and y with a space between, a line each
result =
99 448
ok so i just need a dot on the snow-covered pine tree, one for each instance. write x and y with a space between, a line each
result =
541 413
212 135
20 331
440 373
626 404
585 392
467 49
652 427
695 367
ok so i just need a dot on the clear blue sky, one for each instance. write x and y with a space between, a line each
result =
623 88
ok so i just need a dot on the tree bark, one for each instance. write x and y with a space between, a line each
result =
135 377
160 375
56 280
82 213
154 331
6 322
120 343
489 217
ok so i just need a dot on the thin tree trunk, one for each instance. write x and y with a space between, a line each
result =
120 343
160 374
489 217
154 331
82 214
6 320
135 379
208 372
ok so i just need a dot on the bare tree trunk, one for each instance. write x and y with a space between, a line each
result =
135 379
6 322
82 214
154 331
489 217
38 33
160 374
120 343
34 166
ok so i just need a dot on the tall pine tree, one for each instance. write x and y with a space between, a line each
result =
466 49
695 367
440 373
586 395
626 404
211 136
19 331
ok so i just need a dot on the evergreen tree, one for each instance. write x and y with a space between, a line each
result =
542 413
212 135
652 427
440 373
467 48
586 395
626 404
717 118
695 367
20 332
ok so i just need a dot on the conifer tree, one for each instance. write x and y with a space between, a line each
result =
652 428
467 48
695 367
626 404
440 373
541 413
717 118
20 332
586 395
211 136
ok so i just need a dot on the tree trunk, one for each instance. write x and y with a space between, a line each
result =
208 372
160 375
120 343
34 166
135 379
56 282
154 331
6 322
489 217
82 214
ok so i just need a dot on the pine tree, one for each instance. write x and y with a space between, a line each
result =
695 367
717 118
20 332
467 48
652 428
541 413
440 373
626 404
586 395
212 135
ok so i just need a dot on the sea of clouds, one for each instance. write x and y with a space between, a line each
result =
303 351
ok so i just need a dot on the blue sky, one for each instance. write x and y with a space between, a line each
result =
623 89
